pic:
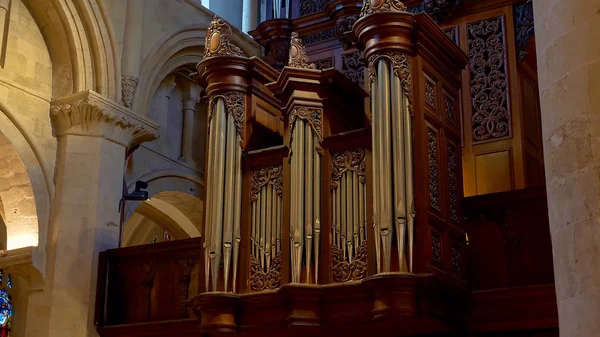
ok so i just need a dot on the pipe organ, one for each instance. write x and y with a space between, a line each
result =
313 180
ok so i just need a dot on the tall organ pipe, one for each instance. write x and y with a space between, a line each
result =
376 128
308 197
263 225
294 201
217 230
349 219
398 110
229 199
212 133
409 179
385 161
269 220
317 207
237 211
355 208
300 181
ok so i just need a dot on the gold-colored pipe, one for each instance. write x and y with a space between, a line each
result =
410 199
263 225
300 180
398 163
253 238
279 223
333 215
386 168
268 224
308 197
356 208
338 214
229 198
217 231
294 233
317 207
237 211
349 215
376 130
273 223
344 223
209 200
361 213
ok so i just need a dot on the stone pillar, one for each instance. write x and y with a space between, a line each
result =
568 52
132 50
249 15
93 134
190 97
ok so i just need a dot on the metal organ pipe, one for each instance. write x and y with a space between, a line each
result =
399 165
317 205
229 199
308 197
212 133
237 211
376 130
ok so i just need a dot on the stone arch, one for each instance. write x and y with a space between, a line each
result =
82 46
178 213
32 184
175 49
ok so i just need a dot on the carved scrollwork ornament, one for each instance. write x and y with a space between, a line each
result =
298 56
401 66
344 271
235 106
374 6
353 160
218 39
267 176
313 116
259 280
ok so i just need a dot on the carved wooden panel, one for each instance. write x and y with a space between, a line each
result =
436 247
324 35
453 181
432 157
353 68
430 92
488 80
325 63
308 7
452 33
456 258
450 109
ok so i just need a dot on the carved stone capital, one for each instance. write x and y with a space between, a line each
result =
374 6
128 86
90 114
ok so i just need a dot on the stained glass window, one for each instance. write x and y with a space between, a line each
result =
6 312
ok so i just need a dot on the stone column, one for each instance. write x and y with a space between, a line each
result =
93 134
249 15
190 97
132 50
568 52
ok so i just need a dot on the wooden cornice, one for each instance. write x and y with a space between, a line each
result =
388 304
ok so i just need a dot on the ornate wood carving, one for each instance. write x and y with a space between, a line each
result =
313 116
298 56
353 160
187 265
489 85
324 35
267 176
353 68
308 7
374 6
325 63
524 30
356 270
342 26
432 155
452 33
218 40
453 187
440 9
235 105
259 280
401 65
436 247
456 258
450 109
430 93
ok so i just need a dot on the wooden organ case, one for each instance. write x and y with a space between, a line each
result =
329 209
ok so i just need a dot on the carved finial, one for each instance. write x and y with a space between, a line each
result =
217 40
298 57
374 6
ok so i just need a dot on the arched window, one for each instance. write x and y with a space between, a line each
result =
6 309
